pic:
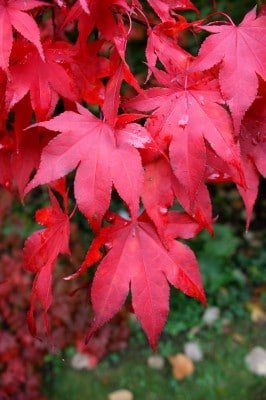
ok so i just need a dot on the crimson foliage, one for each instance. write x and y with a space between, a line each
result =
64 108
21 355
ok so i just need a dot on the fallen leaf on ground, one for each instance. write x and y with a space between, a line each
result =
83 361
256 361
238 338
193 351
182 366
257 313
210 315
226 327
121 394
156 362
195 330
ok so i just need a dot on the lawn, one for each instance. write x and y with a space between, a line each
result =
221 375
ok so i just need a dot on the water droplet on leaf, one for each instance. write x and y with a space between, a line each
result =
183 121
201 99
108 245
163 210
110 218
7 184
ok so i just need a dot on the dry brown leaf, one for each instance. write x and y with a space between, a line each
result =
256 312
182 366
238 338
195 330
156 362
121 394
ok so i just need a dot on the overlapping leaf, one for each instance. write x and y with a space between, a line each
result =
44 80
137 259
163 8
41 251
90 144
253 151
99 14
186 114
202 128
12 14
241 52
161 188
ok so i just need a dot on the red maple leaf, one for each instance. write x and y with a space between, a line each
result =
241 52
45 80
41 251
103 155
161 188
3 113
88 69
6 148
164 8
20 150
136 258
160 46
101 16
253 150
202 128
12 14
26 152
97 14
187 114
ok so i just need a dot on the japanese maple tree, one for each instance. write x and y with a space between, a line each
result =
76 117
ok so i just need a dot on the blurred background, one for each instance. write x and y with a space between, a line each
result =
216 352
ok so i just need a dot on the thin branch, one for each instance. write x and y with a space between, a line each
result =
138 21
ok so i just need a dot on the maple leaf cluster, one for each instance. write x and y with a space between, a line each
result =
197 120
21 355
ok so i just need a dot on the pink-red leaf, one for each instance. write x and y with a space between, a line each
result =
45 81
41 251
187 113
89 144
12 14
137 258
253 150
242 53
163 8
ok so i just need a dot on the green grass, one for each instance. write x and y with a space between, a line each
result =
221 375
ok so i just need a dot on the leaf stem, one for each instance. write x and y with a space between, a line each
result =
73 211
220 13
140 21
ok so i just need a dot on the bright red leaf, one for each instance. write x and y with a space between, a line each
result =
137 259
41 251
161 188
89 68
100 15
90 144
186 114
253 151
164 9
187 129
241 52
44 80
12 14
